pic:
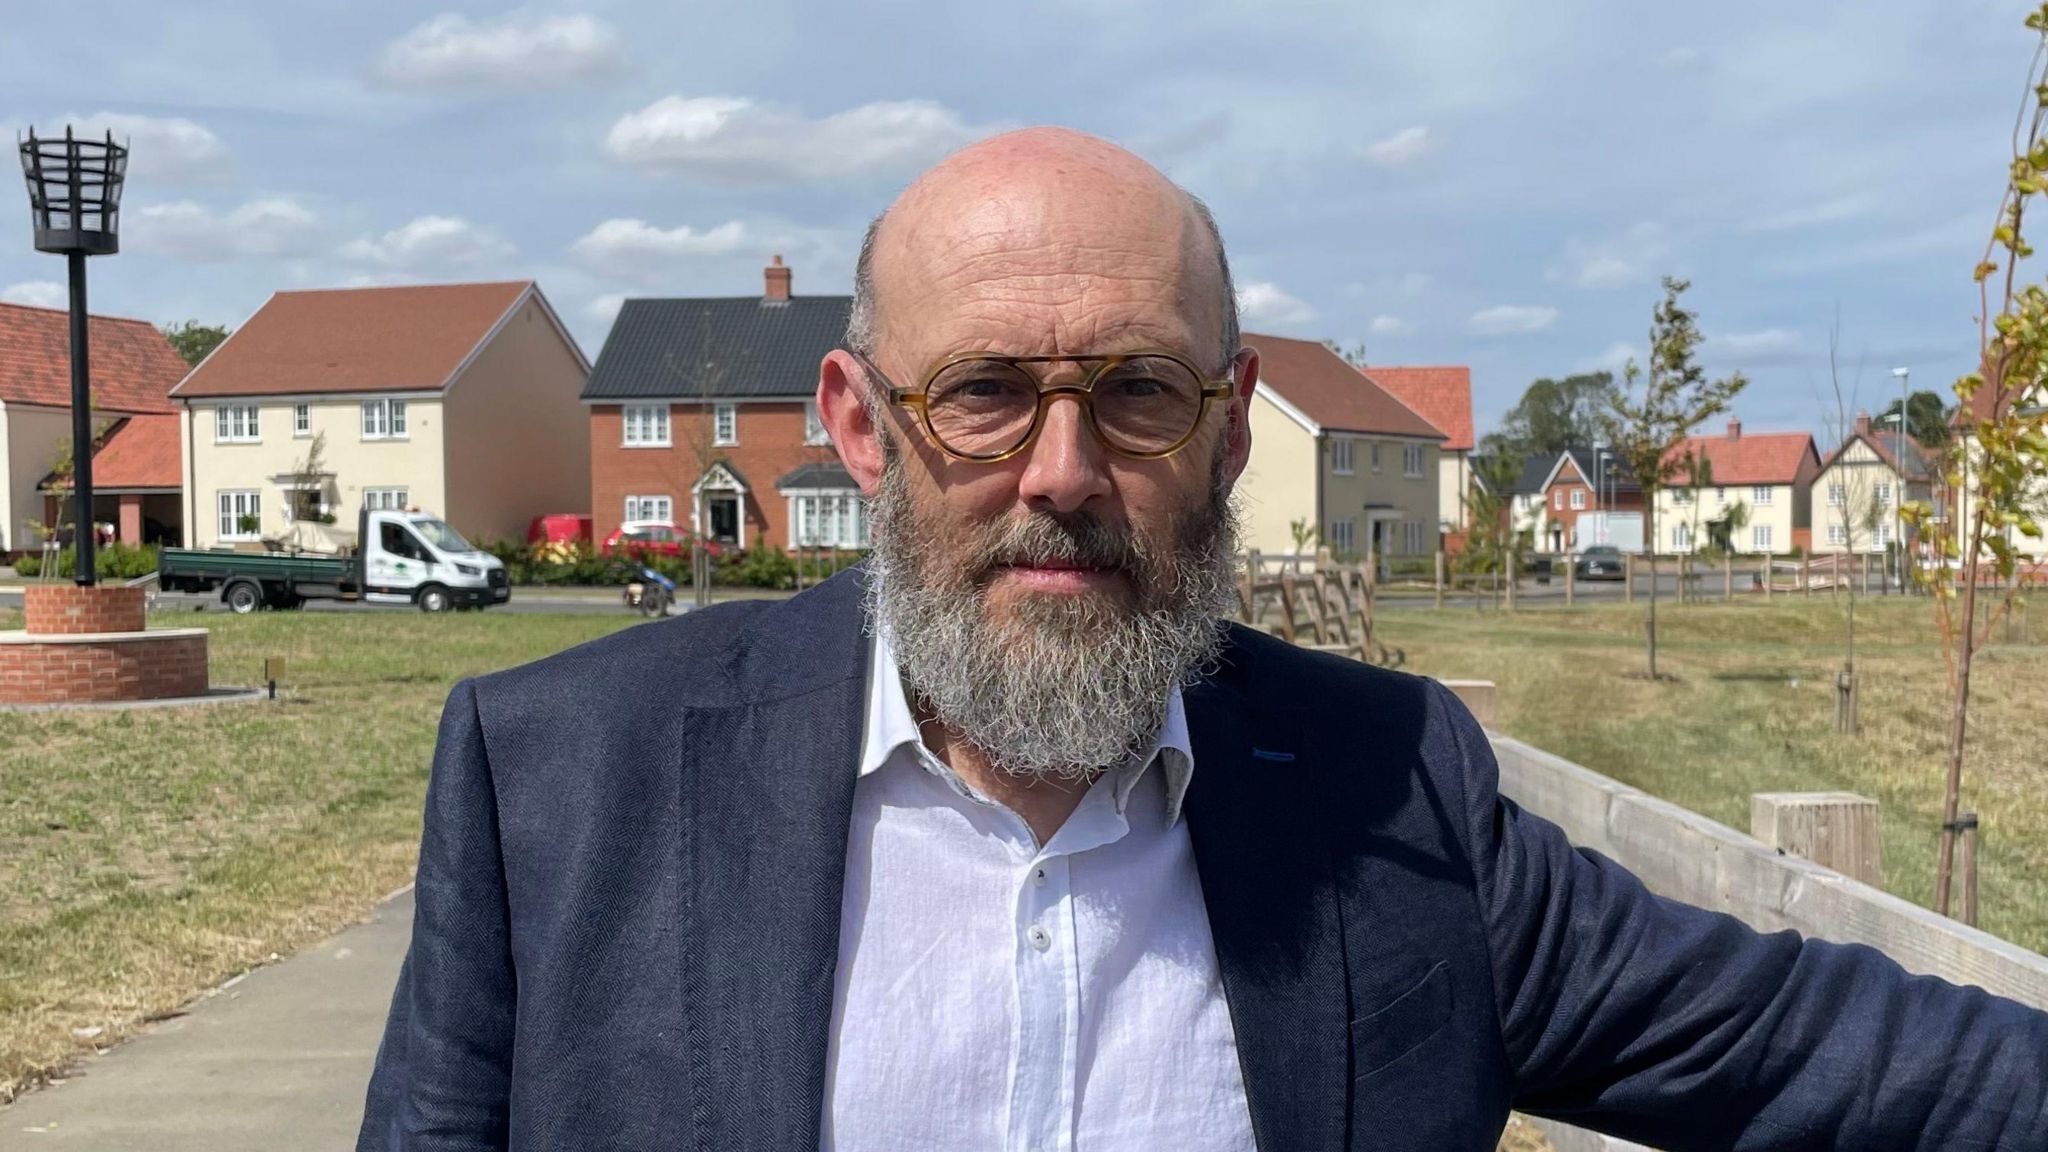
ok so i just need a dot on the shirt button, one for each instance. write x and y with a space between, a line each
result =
1038 877
1039 937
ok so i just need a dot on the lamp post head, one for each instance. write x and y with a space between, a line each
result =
74 193
1902 373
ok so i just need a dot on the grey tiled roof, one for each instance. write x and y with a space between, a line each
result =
816 475
728 347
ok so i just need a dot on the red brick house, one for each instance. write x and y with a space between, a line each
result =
133 371
701 413
1583 481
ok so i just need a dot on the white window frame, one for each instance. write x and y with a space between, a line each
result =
386 499
1760 495
1682 496
1578 499
1884 536
1760 538
1411 537
230 505
1557 500
645 508
1838 494
644 426
384 420
1375 455
828 518
725 425
1681 537
1343 535
815 432
1883 492
1341 458
1838 535
237 424
302 421
1412 460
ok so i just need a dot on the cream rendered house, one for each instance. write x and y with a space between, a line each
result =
1769 474
1333 450
459 399
1861 488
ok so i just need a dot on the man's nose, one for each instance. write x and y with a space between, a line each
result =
1065 467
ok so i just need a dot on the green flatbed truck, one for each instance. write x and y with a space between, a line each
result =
398 558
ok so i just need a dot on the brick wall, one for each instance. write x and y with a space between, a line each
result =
71 673
67 609
771 445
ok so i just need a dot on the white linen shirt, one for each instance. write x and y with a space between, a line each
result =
994 993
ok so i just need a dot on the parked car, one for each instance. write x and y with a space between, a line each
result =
559 528
652 538
1600 562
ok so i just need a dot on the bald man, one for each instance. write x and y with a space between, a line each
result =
1002 841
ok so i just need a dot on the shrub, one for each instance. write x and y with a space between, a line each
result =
116 561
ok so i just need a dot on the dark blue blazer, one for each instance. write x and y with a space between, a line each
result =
629 895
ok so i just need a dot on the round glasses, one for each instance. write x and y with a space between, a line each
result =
984 408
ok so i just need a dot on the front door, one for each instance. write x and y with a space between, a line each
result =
724 509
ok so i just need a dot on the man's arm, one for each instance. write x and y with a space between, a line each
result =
443 1070
1685 1029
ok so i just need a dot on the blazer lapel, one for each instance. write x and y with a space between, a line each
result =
767 791
1262 854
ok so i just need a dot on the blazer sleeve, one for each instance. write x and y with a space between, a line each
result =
442 1077
1669 1025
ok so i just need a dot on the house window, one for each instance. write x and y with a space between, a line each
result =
1837 495
383 419
235 424
1681 537
1340 456
302 420
661 508
646 425
385 499
241 515
1884 535
725 425
1342 540
1411 459
814 428
1761 494
1411 537
1838 534
829 520
1557 499
1720 495
1375 456
1883 492
1578 498
1681 497
1760 538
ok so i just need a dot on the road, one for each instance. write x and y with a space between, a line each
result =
557 601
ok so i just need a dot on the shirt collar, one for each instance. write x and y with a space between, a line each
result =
889 725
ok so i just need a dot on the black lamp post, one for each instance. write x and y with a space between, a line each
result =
74 195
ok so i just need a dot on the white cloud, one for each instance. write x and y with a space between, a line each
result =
1403 147
1628 258
266 227
728 140
1263 302
1512 320
1813 215
429 244
1390 326
605 309
519 52
36 294
1614 359
636 242
167 148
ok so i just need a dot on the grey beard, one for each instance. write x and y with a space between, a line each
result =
1067 686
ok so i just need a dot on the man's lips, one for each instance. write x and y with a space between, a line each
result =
1057 576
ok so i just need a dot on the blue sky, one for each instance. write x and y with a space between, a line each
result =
1495 184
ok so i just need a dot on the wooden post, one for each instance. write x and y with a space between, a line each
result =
1765 569
1571 579
1727 576
1837 830
1480 697
1440 566
1845 703
1805 576
1966 864
1514 576
1628 578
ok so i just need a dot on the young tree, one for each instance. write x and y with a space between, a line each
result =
1655 410
193 340
1851 492
1492 543
1992 475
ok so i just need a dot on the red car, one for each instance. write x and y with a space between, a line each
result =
652 538
559 528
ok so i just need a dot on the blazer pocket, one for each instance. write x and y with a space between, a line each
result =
1403 1024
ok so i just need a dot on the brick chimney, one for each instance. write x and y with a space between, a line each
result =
1863 423
776 290
1734 428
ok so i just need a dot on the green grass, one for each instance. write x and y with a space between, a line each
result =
1752 710
147 855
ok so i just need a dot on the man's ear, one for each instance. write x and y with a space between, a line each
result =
1244 374
841 384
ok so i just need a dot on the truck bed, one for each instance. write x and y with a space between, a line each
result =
217 566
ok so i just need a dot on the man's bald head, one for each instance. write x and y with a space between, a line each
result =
1060 214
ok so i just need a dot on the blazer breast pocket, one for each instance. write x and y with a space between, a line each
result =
1403 1024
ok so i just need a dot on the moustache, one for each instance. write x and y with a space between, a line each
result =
1048 538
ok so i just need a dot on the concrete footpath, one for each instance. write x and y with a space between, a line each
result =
278 1060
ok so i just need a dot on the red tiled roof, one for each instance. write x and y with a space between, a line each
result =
1752 457
133 366
1331 392
142 452
409 338
1442 395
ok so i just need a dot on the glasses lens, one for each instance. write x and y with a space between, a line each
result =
1147 404
982 407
